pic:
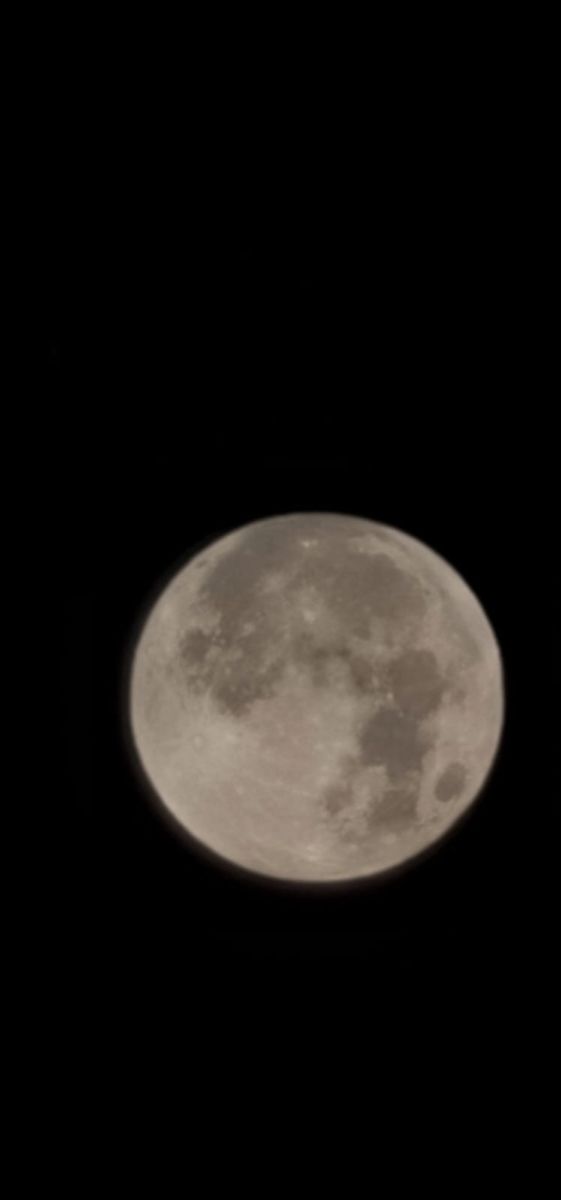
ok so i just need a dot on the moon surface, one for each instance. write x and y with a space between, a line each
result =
316 697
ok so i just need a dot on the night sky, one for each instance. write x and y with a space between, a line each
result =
222 345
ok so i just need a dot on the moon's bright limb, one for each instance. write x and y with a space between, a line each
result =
316 697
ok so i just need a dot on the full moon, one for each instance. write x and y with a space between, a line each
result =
316 697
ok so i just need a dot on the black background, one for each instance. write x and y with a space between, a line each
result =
253 333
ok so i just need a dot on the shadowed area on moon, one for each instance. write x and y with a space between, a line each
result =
392 739
415 682
397 808
451 782
317 658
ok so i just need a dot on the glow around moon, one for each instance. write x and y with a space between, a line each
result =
316 697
